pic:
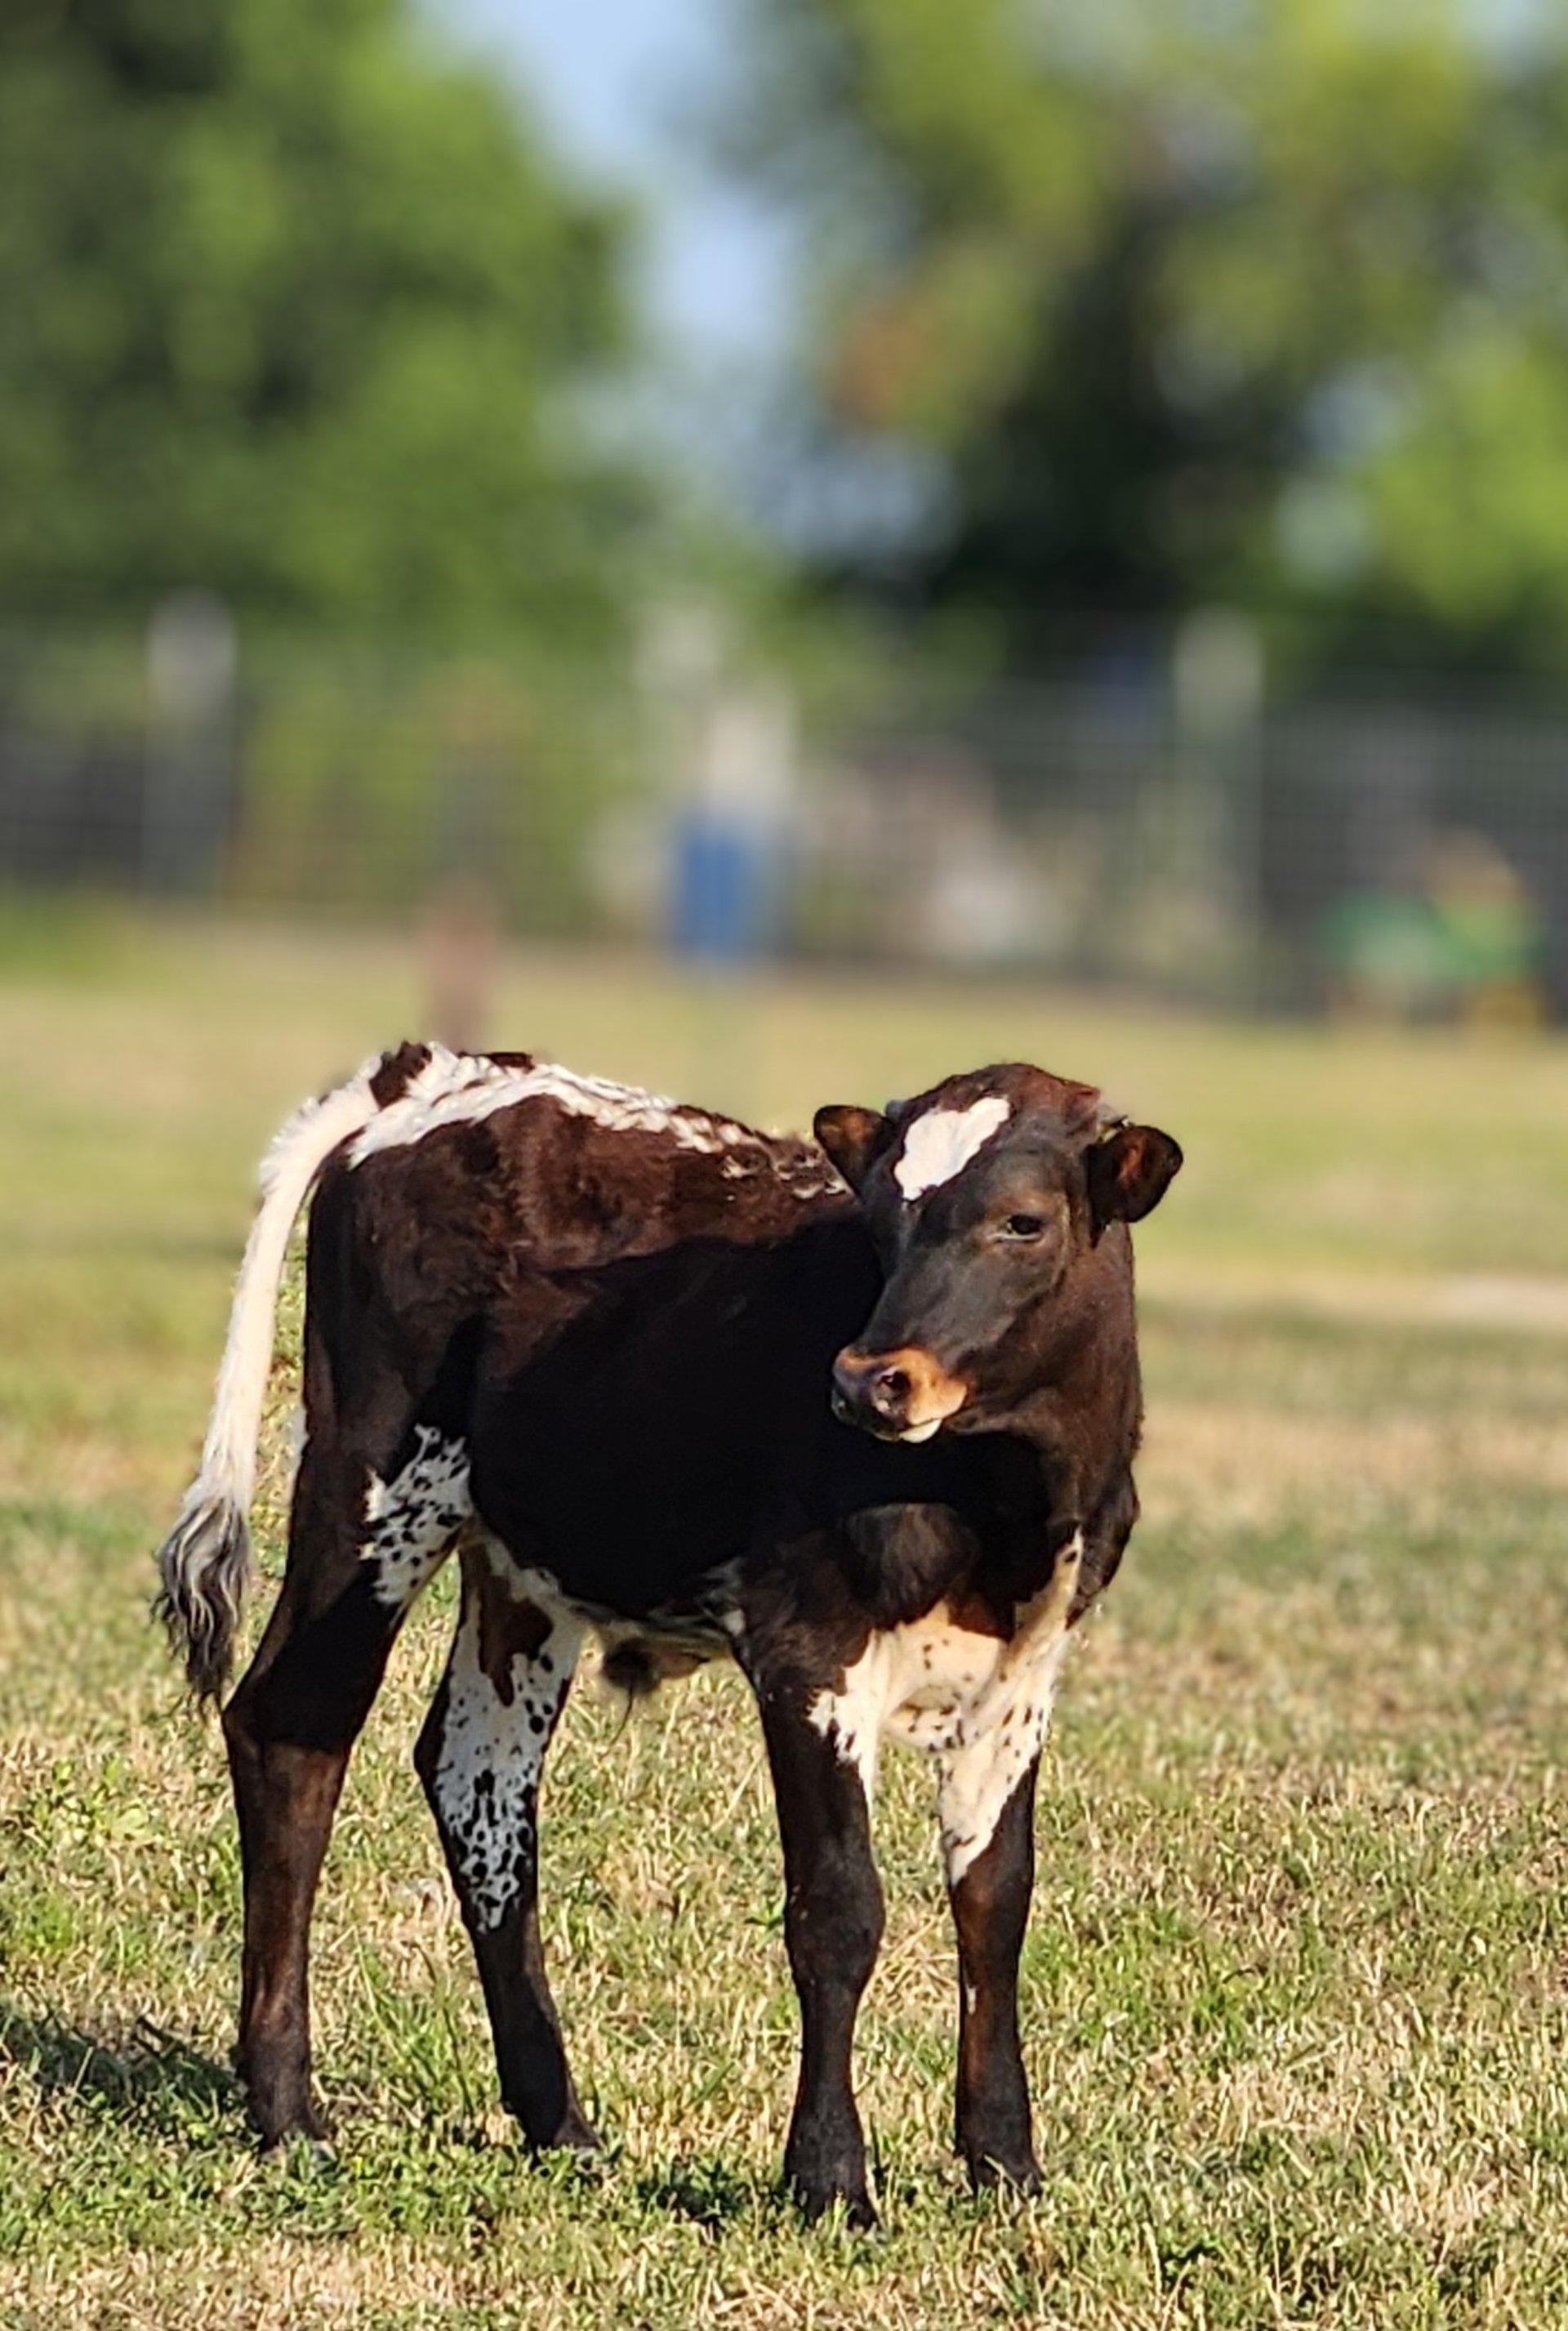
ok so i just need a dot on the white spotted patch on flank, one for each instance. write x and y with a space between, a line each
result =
940 1143
981 1705
493 1748
414 1521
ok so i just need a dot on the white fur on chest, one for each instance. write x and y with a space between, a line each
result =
979 1703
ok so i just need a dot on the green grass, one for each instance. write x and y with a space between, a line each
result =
1297 1985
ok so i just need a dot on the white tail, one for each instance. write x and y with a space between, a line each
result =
205 1561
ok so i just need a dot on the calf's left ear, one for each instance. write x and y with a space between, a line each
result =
1129 1172
854 1139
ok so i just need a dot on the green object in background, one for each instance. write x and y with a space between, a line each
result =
1388 952
1472 937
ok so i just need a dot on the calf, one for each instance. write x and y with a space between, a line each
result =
860 1416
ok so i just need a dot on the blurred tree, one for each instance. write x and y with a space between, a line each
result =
1183 300
293 308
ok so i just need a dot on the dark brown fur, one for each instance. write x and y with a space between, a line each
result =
634 1338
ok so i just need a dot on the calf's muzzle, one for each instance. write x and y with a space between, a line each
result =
901 1395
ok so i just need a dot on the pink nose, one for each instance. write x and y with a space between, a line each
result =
872 1381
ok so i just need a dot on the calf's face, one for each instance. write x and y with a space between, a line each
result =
988 1197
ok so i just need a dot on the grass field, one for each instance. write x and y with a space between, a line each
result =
1297 1985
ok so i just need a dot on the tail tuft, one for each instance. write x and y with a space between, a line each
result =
205 1561
204 1564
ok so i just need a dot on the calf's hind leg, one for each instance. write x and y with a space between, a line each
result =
359 1551
480 1756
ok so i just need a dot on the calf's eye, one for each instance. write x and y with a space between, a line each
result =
1021 1228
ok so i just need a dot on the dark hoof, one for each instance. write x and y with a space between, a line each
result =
279 2100
1017 2173
284 2124
575 2135
572 2133
299 2148
815 2202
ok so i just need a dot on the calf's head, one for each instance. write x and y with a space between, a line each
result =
990 1198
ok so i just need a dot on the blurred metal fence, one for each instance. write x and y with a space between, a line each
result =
1164 821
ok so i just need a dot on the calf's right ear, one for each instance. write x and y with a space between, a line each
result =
1129 1172
854 1139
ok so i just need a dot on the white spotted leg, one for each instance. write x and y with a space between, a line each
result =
480 1754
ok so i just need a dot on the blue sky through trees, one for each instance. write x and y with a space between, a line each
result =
619 85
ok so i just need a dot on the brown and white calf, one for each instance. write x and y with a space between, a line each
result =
861 1415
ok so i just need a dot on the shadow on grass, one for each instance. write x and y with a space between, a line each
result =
709 2192
139 2073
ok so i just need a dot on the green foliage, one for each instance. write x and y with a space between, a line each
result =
1186 302
295 310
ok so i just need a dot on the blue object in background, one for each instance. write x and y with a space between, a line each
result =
723 906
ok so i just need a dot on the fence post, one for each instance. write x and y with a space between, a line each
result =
190 660
1217 686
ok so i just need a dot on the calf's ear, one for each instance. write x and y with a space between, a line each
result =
1129 1172
854 1139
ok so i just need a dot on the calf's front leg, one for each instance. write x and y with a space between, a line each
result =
990 1879
832 1930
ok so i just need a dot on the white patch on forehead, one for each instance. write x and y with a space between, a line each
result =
980 1704
940 1143
414 1521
